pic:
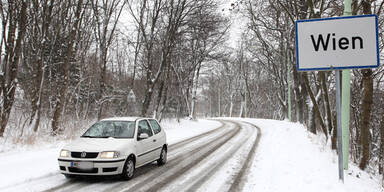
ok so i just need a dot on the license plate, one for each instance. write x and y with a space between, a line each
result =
82 165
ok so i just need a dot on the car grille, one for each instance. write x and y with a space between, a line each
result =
77 170
88 155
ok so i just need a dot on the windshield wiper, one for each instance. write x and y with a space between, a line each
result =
97 136
101 136
123 137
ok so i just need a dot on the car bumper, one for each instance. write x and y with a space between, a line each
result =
99 167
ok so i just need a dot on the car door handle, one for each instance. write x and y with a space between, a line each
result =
154 140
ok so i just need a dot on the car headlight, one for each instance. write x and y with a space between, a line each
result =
64 153
109 154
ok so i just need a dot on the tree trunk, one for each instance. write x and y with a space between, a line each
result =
299 95
165 95
324 89
11 60
312 120
163 104
150 83
381 156
34 119
194 92
147 97
315 106
219 103
366 116
330 122
366 105
66 65
231 105
158 100
162 95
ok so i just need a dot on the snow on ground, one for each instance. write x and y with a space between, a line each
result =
23 165
289 158
186 129
241 146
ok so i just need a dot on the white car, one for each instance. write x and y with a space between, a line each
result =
115 146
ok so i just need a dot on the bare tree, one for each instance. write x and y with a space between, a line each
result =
73 31
204 35
107 14
147 19
13 17
36 56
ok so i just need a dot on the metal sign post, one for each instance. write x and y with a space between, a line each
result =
346 98
339 126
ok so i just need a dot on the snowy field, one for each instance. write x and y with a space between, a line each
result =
288 158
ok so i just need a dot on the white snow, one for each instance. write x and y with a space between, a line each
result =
186 129
234 153
288 158
23 165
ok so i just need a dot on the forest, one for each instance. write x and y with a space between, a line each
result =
67 63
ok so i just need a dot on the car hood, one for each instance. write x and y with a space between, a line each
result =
99 144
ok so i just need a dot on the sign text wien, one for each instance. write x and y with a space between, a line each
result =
337 43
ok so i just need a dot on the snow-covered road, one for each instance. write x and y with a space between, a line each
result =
213 161
223 155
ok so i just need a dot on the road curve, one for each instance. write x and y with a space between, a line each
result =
214 161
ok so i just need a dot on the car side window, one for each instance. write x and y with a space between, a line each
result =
155 126
144 128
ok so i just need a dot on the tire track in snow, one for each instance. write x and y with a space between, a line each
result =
228 160
204 176
153 178
179 146
240 177
174 169
63 185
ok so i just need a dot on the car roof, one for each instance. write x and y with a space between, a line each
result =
123 118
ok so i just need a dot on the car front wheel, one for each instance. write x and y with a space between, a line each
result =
129 169
163 157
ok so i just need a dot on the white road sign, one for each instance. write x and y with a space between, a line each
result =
337 43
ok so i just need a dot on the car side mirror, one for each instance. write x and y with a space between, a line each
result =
143 136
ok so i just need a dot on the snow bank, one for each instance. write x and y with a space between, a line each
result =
289 158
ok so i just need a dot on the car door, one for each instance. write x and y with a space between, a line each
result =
158 137
144 146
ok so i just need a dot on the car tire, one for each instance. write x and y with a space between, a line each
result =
129 169
163 157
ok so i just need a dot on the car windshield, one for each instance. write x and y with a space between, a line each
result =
116 129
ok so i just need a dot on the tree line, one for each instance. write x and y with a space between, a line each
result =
80 59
